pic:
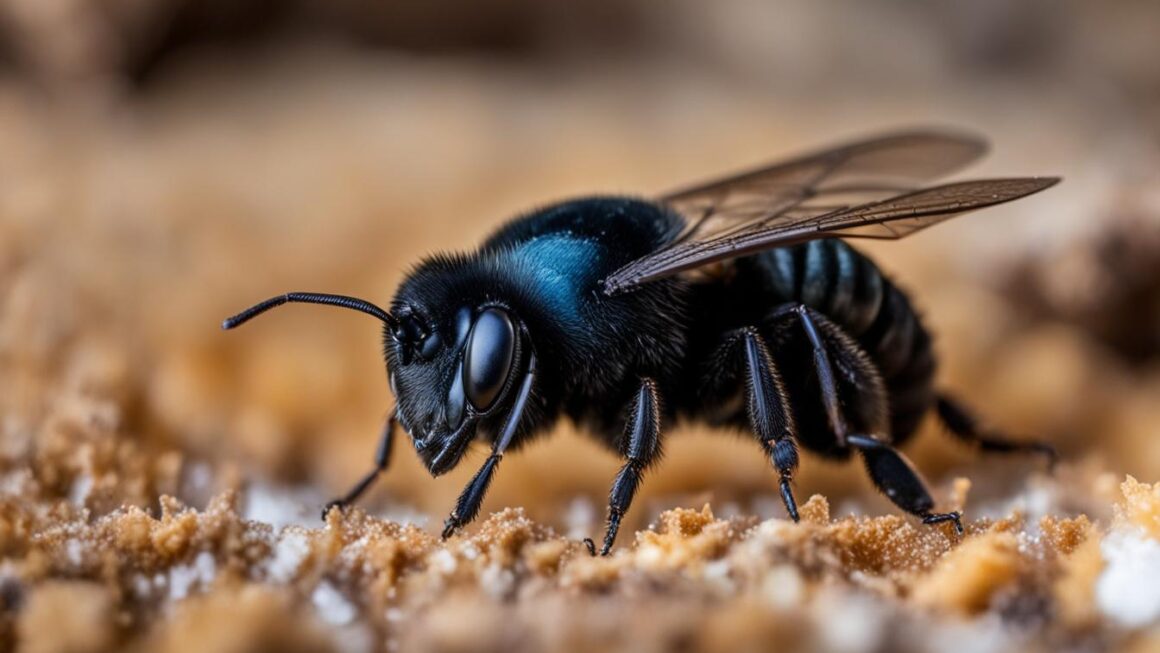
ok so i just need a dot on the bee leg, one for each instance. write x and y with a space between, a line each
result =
769 416
641 446
893 474
467 506
382 459
964 426
824 367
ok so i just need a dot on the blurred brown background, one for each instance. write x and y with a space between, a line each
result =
165 163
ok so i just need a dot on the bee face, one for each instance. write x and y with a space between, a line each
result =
448 375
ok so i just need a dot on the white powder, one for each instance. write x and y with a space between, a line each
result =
580 518
81 487
281 508
291 549
142 587
199 478
332 606
182 578
783 588
498 582
1128 590
984 635
443 560
859 630
716 575
75 550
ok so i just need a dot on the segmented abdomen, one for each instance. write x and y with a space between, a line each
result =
835 279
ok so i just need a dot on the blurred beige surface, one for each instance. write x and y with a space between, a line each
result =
151 188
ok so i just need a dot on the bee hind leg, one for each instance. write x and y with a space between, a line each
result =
964 426
822 364
893 474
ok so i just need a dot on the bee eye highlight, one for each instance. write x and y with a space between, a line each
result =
456 402
430 346
488 357
462 326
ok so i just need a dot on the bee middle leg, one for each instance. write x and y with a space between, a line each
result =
769 415
745 355
640 445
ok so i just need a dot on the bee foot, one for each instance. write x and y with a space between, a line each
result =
591 546
450 526
337 503
939 517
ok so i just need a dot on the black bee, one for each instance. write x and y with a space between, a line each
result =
736 302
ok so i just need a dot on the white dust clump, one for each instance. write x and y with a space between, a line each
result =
182 578
337 611
443 561
332 606
984 635
1128 590
783 588
281 507
75 550
860 629
580 517
80 490
289 553
498 582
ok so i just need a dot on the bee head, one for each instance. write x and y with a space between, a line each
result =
450 374
453 362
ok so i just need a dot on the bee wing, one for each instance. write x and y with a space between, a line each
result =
865 189
839 177
886 219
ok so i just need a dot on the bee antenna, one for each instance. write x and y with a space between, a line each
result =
310 298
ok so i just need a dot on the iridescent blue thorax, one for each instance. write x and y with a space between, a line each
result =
562 269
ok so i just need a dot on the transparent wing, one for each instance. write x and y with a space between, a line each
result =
832 179
888 219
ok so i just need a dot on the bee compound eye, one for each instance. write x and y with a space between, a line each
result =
488 357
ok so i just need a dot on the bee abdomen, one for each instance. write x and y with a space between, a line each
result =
830 276
835 279
899 344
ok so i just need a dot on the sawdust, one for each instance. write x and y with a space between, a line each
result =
188 578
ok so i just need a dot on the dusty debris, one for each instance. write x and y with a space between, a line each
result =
143 580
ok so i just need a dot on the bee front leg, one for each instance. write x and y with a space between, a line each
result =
382 460
641 446
467 506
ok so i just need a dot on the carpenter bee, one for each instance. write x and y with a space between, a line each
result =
607 310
